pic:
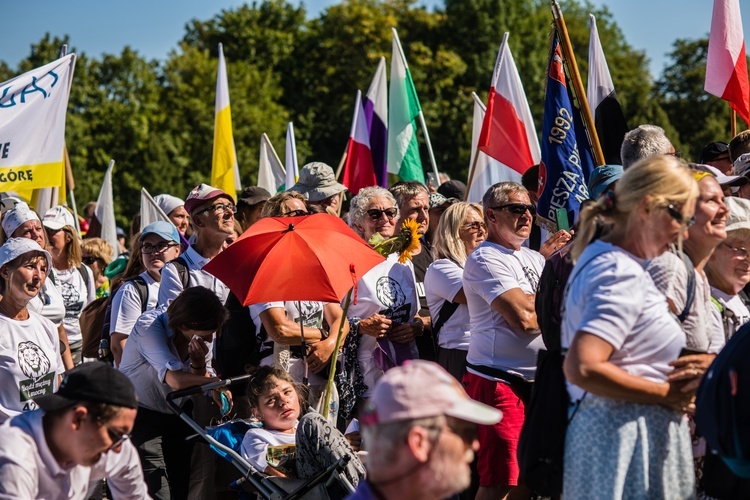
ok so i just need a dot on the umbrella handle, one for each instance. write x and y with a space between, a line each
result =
332 370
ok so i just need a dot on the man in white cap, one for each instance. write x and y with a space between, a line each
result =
212 215
174 208
420 429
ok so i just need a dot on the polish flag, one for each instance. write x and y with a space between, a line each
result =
508 133
359 171
726 68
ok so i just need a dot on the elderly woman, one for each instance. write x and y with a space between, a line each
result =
22 222
384 318
30 363
97 254
460 231
169 349
158 244
628 436
73 279
728 269
281 320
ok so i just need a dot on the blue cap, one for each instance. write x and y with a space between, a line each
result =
601 178
165 230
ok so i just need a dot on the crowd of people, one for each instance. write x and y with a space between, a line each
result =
438 353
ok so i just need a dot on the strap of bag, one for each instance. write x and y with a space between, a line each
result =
85 275
445 313
690 286
182 270
142 287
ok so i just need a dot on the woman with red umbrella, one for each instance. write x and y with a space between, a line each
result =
281 320
384 316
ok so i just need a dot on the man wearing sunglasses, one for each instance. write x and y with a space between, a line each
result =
500 281
79 437
420 429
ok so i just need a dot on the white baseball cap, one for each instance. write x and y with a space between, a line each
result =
16 216
58 217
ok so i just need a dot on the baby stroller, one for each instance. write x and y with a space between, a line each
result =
225 439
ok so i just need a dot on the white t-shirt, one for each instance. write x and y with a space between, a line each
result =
612 296
171 284
127 307
48 303
442 281
76 294
490 271
149 354
29 470
389 289
702 326
256 444
736 312
311 317
29 363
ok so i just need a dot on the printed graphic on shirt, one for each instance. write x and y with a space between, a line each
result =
72 299
391 295
532 276
281 456
35 364
311 314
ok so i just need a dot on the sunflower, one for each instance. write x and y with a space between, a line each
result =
410 239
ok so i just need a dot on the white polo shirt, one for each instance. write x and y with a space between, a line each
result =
29 470
490 271
171 284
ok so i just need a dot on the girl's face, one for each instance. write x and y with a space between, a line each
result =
278 406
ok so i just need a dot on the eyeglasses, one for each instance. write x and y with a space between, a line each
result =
516 208
220 208
88 260
474 227
741 252
676 154
148 248
296 213
467 431
376 213
675 213
117 438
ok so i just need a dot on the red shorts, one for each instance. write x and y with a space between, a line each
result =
497 459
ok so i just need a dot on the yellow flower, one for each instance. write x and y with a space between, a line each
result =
410 240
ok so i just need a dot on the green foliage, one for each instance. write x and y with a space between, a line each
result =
156 118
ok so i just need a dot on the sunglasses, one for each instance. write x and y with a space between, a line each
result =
467 431
117 437
516 208
297 213
376 213
675 214
88 260
148 248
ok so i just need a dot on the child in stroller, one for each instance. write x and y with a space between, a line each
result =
292 441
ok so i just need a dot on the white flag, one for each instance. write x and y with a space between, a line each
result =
271 173
150 210
105 211
292 169
32 126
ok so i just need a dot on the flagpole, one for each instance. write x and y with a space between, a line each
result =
733 123
471 174
421 115
575 77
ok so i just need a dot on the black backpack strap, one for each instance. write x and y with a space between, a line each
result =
182 271
85 275
445 313
142 287
690 292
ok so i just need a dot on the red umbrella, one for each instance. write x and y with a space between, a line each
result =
314 257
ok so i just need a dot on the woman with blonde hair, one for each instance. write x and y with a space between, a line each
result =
628 436
73 279
461 229
97 254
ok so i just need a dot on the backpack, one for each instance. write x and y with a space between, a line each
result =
96 318
723 404
182 271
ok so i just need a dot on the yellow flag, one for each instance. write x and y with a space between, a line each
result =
225 173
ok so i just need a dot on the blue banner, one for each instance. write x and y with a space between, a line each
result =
565 167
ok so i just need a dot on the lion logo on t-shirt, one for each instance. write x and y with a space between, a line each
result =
389 292
32 360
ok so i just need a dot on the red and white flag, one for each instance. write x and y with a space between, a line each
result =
508 133
726 67
359 171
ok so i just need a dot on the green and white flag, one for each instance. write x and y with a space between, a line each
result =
403 110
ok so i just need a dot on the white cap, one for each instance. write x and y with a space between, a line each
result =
15 247
16 216
742 164
58 217
167 202
739 213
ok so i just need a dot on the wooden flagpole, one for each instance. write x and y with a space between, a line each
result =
733 122
575 78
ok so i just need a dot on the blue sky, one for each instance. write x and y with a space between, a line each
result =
154 27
